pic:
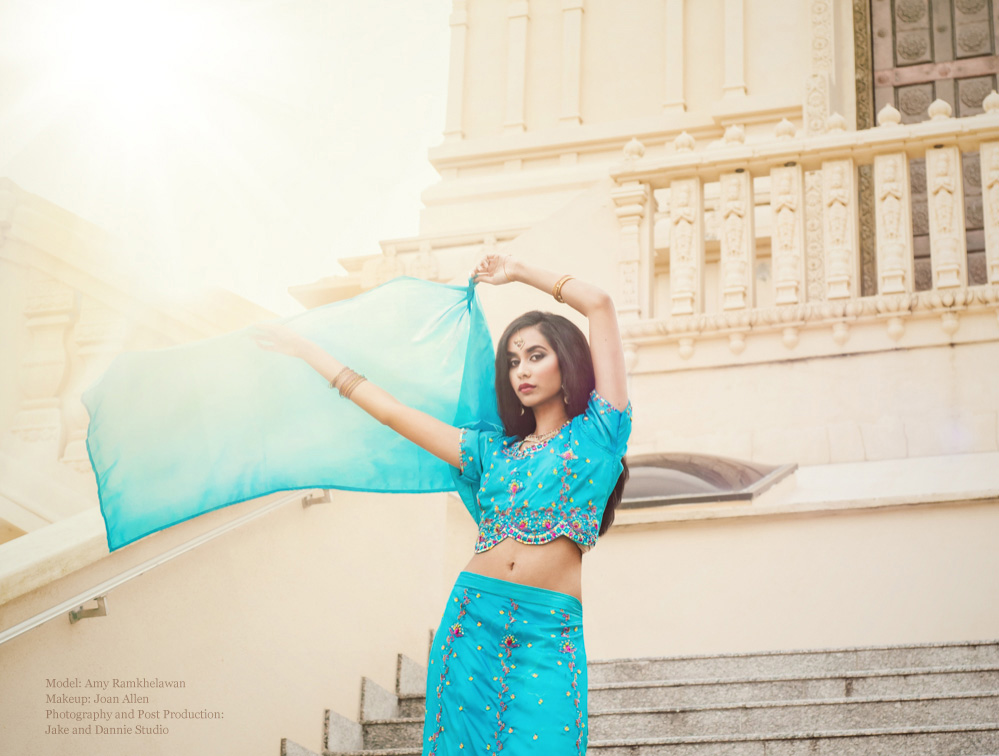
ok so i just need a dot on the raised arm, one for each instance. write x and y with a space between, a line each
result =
592 301
437 437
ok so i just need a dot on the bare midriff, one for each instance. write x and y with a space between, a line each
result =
555 566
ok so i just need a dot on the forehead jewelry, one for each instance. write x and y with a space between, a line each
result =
518 341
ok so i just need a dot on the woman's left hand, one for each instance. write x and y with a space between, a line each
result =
493 269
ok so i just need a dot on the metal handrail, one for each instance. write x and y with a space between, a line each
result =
102 589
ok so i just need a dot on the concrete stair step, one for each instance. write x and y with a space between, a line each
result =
789 717
415 706
903 682
776 717
979 740
907 741
801 662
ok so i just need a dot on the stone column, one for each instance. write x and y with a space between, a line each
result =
893 208
735 49
516 65
839 229
686 246
456 72
738 240
945 196
572 51
673 99
787 210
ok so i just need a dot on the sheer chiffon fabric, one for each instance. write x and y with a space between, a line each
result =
181 431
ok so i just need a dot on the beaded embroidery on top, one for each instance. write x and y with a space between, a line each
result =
558 487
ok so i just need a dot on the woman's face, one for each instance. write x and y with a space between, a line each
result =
533 367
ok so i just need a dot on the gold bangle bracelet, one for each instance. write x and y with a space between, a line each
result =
337 377
557 290
353 386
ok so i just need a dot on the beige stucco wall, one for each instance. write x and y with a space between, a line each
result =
900 403
916 574
270 624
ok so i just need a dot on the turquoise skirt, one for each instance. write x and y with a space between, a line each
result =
507 672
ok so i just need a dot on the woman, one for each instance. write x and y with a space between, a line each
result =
507 669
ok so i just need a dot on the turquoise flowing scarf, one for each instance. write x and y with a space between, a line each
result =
178 432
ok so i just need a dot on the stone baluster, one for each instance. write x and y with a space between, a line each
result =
99 335
686 246
841 242
945 198
453 127
49 311
738 240
990 202
631 202
787 211
893 213
572 47
516 65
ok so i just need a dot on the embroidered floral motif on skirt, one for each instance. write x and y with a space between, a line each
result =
507 672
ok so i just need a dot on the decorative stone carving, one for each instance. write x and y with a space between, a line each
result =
684 142
946 215
839 211
894 227
634 150
862 63
939 110
910 11
990 202
970 7
973 93
49 311
686 247
991 102
631 201
914 101
816 103
735 134
822 37
784 129
814 264
868 254
973 39
889 116
787 237
738 257
912 47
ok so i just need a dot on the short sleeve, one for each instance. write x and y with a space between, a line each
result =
468 477
607 426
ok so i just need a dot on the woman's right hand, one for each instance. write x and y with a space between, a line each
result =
278 338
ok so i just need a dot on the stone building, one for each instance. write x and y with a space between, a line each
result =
796 208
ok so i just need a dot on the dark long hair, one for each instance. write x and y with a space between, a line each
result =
576 366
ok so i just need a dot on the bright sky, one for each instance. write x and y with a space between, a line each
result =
241 143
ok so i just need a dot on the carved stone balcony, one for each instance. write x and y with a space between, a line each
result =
779 276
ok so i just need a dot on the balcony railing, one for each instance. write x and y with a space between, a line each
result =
797 290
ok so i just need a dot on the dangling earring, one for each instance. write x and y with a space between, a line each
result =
521 410
565 396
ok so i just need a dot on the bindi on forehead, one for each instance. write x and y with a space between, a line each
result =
527 339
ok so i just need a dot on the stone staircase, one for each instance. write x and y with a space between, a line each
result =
918 700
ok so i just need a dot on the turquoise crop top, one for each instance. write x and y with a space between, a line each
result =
555 488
